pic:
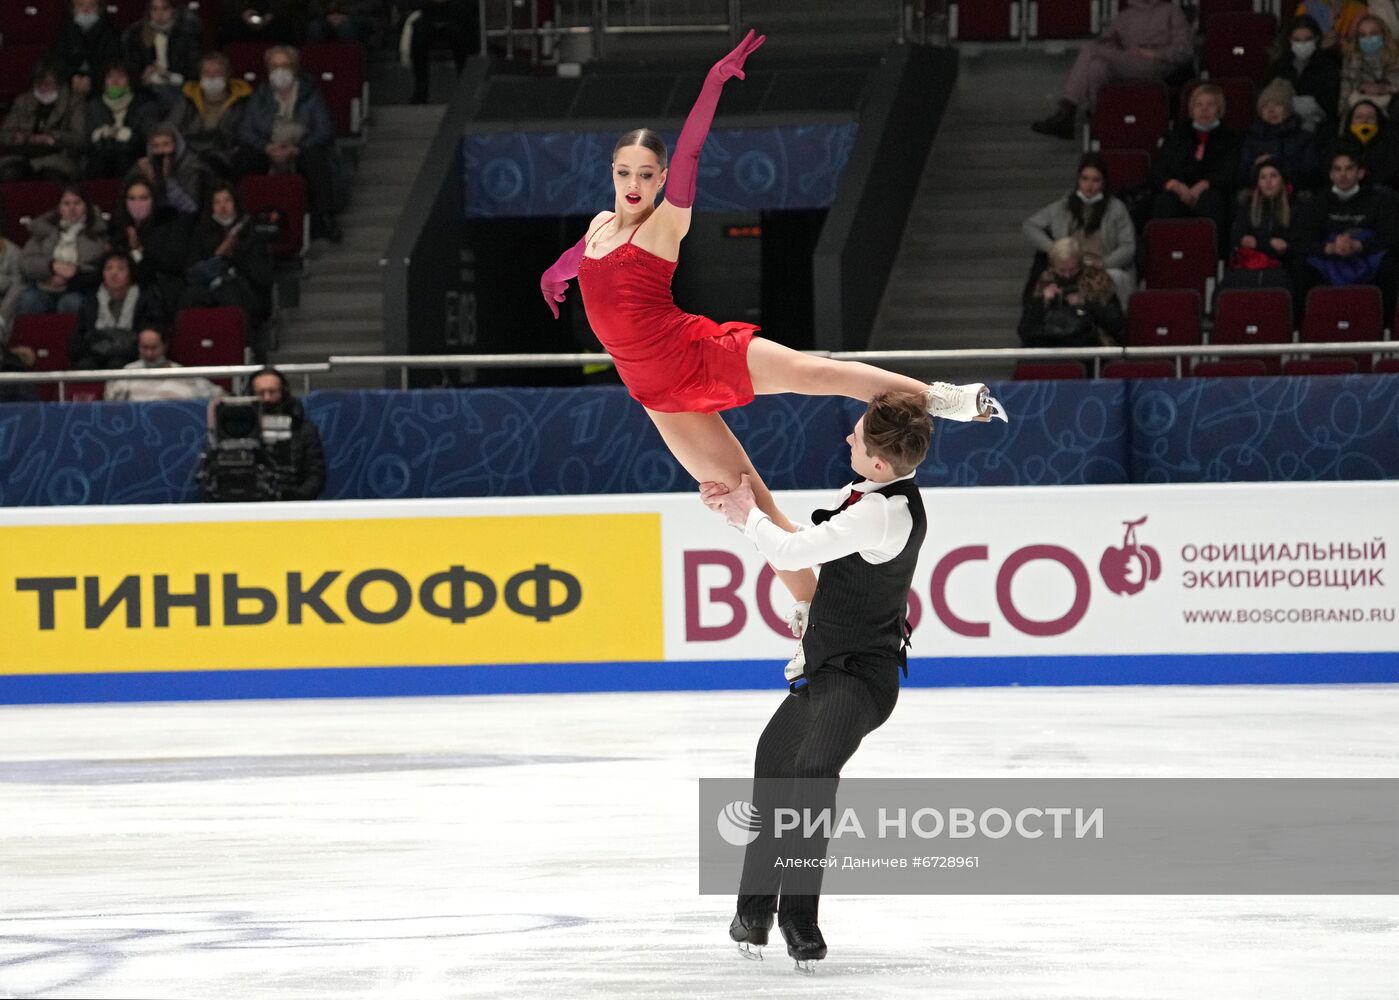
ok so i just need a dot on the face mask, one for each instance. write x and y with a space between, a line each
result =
1364 131
1090 201
281 78
225 220
86 21
46 97
162 26
139 211
1344 195
1371 44
1205 128
1304 50
117 93
213 86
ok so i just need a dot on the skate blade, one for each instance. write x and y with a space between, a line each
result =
997 411
750 952
806 966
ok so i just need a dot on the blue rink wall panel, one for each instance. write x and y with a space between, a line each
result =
370 682
596 440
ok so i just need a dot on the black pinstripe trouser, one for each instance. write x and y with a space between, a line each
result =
807 741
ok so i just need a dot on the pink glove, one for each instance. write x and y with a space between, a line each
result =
554 283
684 165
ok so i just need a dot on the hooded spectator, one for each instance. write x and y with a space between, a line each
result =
178 178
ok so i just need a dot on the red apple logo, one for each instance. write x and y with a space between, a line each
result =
1129 569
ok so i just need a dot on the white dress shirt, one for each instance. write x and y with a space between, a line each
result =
875 526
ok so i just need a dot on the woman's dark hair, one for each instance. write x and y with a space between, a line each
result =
647 138
46 68
1282 45
122 256
77 189
156 329
216 188
120 218
1089 217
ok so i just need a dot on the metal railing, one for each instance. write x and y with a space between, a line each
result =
404 363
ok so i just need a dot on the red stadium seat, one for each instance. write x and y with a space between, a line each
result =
48 336
284 194
17 65
1237 44
1128 169
31 22
1169 318
1139 369
104 192
1044 371
340 69
247 60
1387 366
1321 366
1208 8
125 13
1243 368
1181 253
984 20
216 336
1063 19
1254 316
1239 110
1130 116
23 200
1342 314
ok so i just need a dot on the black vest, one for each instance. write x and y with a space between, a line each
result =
860 609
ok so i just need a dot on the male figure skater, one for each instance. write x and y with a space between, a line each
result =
845 677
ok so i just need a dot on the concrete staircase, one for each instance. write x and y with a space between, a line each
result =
341 309
962 265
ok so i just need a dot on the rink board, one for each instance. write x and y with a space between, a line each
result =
1241 583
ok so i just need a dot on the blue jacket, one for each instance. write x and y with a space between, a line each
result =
256 128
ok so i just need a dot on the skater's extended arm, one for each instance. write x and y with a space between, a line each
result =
554 282
684 164
877 527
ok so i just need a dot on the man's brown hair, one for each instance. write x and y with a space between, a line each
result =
898 429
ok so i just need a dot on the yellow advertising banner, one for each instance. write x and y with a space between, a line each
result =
330 593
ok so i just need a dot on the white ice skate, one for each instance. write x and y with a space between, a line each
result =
796 666
963 403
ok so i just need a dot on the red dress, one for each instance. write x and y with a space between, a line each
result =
671 361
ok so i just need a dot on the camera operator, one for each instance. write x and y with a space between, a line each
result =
262 447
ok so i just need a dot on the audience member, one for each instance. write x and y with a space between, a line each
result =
111 316
162 49
1336 18
1195 173
1313 71
178 178
279 22
157 240
1074 303
87 43
231 263
1262 236
59 262
151 346
1366 131
341 20
1344 237
1093 216
1148 40
43 131
117 120
1277 133
18 361
210 112
287 128
455 22
1371 67
11 284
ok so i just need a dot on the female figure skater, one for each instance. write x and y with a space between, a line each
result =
683 368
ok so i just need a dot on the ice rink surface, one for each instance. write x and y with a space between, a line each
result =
544 846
